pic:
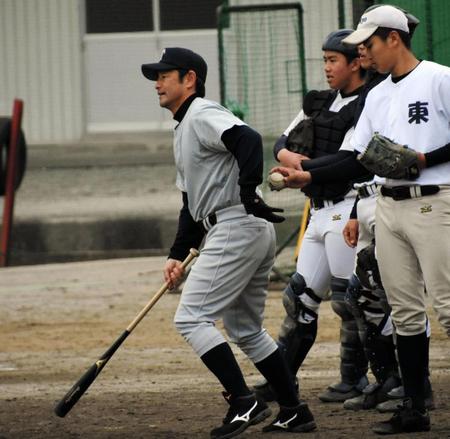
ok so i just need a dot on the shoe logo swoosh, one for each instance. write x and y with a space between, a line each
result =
284 424
246 416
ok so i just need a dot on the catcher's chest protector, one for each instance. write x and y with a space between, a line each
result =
330 128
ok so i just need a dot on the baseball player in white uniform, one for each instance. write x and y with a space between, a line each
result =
219 164
365 294
325 262
411 107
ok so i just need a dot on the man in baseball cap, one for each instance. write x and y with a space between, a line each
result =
176 58
385 16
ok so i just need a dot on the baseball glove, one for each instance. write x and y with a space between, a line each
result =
386 158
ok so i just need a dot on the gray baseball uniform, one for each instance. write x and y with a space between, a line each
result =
219 163
230 277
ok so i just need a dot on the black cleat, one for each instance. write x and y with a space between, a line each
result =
243 412
292 419
406 420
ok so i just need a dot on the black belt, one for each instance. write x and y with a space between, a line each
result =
399 193
209 221
367 191
317 203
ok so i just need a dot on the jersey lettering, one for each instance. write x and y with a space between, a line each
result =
418 111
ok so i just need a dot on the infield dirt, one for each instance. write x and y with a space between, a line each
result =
57 319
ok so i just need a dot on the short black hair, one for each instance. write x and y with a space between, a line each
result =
199 85
383 33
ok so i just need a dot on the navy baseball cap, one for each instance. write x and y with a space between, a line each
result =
174 58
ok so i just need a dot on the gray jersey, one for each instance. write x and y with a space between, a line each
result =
206 170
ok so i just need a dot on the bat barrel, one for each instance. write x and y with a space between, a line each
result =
78 389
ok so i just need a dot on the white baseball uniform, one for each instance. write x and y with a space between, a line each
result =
412 232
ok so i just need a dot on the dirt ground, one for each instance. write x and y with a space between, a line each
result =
56 320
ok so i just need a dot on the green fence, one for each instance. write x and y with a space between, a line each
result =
270 55
262 76
431 40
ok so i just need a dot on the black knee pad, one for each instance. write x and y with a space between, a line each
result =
294 289
293 302
367 268
338 303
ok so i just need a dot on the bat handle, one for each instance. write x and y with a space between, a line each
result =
193 253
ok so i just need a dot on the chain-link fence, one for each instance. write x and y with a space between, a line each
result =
270 55
432 37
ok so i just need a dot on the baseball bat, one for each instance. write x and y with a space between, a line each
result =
303 225
78 389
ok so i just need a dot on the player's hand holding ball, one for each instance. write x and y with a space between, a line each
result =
292 178
276 181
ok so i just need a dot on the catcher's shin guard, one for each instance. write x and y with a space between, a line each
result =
353 359
379 348
295 341
299 328
380 351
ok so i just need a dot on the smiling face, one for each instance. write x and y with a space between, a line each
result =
172 90
337 70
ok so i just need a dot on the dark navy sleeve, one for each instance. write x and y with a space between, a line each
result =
344 170
438 156
279 145
325 160
189 234
246 146
354 212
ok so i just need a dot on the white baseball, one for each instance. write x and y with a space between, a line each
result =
276 181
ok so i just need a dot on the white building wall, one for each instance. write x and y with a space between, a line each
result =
119 97
74 83
40 52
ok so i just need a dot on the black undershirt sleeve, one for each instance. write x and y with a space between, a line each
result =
279 145
189 234
438 156
354 212
347 169
325 160
246 146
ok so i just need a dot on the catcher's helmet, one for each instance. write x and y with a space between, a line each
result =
333 42
413 21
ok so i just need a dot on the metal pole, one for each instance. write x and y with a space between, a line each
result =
221 11
341 14
10 181
429 18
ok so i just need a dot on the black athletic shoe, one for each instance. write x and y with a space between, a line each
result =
406 420
292 419
243 412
